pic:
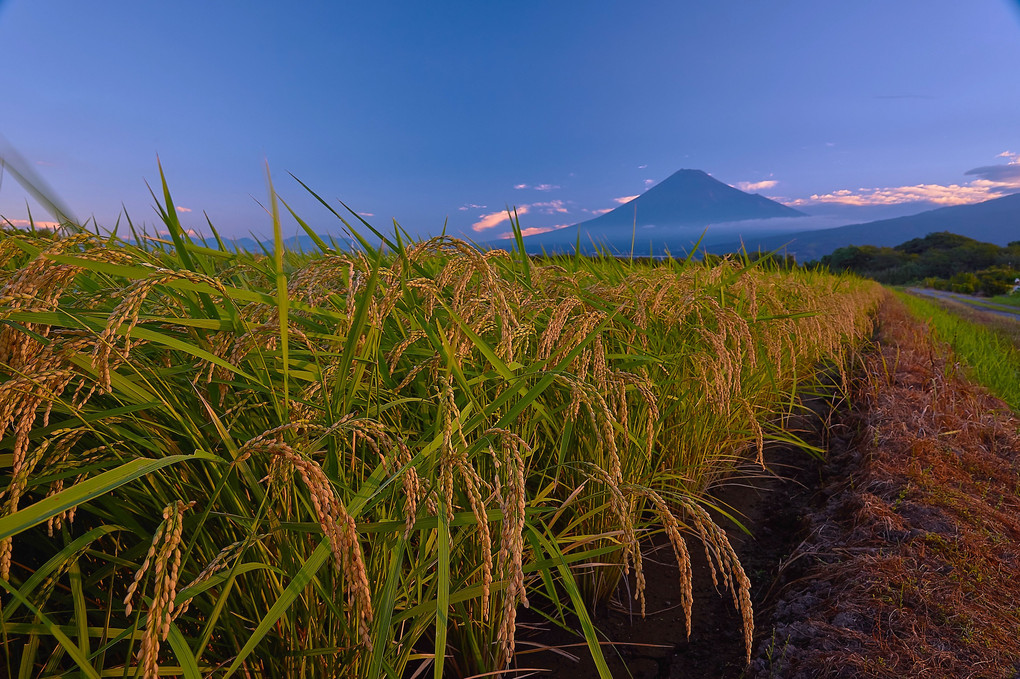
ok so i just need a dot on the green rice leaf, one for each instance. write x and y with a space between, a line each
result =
186 659
579 606
54 630
443 594
287 598
87 490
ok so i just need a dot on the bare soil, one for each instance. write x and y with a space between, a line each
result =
915 554
899 556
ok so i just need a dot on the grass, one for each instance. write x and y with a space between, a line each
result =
306 464
991 356
1008 300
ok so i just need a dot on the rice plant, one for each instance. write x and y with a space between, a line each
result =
366 463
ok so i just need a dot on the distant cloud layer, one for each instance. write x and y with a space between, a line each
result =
756 186
624 199
994 181
183 209
472 206
190 232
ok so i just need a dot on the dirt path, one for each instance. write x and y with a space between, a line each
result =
914 556
977 303
897 557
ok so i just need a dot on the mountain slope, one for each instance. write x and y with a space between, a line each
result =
993 221
672 213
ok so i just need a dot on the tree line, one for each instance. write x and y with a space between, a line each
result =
943 260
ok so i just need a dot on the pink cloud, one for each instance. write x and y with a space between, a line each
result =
624 199
190 232
952 194
496 218
602 211
531 231
520 186
367 214
994 181
25 224
550 207
756 186
183 209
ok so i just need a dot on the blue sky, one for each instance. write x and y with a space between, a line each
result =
451 111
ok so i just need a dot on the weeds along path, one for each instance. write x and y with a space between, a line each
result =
367 464
911 566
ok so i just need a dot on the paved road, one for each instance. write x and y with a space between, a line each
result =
974 302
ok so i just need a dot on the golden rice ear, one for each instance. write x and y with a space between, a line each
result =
510 462
164 556
15 490
128 310
219 562
680 551
455 459
724 563
339 528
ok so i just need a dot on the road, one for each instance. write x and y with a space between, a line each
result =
978 303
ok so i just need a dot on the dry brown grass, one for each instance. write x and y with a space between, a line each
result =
919 553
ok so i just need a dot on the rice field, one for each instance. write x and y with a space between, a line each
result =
368 463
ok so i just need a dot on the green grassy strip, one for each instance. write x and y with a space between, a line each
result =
992 360
994 305
1007 300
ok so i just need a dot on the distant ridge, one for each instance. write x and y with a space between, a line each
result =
993 221
671 214
299 243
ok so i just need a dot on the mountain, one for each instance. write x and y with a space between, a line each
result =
993 221
672 215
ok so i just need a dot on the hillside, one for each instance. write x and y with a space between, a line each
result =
943 260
